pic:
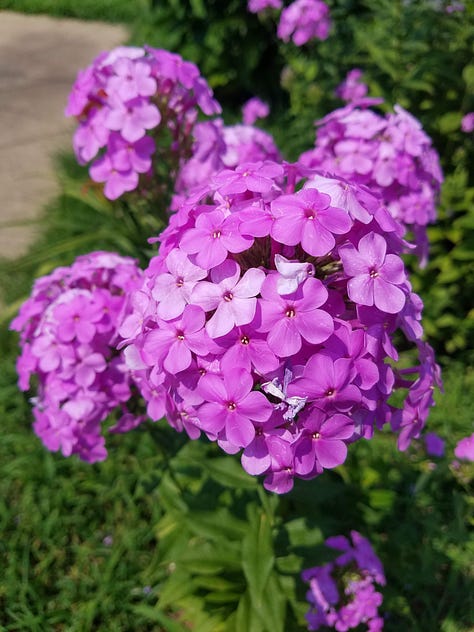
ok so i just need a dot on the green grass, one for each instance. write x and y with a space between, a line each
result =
106 10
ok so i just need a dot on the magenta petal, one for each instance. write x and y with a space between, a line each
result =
239 429
279 482
211 417
256 406
256 458
338 427
316 240
330 453
222 321
315 326
361 290
212 388
284 339
305 456
178 359
387 297
393 270
373 247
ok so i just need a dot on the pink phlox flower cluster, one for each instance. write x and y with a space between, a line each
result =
352 88
68 334
464 449
123 100
342 593
258 6
467 123
267 321
304 20
218 146
391 155
254 109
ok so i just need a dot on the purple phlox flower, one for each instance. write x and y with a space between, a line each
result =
292 274
257 6
346 195
434 444
56 429
246 143
280 477
173 342
328 383
117 182
455 7
294 404
127 156
132 119
247 348
307 218
322 440
132 79
90 136
304 20
79 95
376 275
172 289
109 58
232 405
464 449
254 109
410 421
352 88
467 123
251 176
379 327
88 366
257 456
78 318
366 557
232 297
213 237
294 317
355 156
132 324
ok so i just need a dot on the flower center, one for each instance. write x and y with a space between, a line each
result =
179 335
290 312
373 273
216 234
316 435
228 296
330 392
231 405
179 282
245 340
309 213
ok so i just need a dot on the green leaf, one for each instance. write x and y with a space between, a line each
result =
157 616
257 556
247 620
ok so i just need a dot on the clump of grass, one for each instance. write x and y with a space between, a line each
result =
106 10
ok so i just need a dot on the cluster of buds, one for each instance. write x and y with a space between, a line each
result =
68 336
124 101
342 594
390 154
304 20
269 319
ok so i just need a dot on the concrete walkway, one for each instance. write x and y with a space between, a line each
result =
39 60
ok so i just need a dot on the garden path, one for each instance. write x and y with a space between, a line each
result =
39 60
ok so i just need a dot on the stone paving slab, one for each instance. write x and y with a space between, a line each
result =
39 60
